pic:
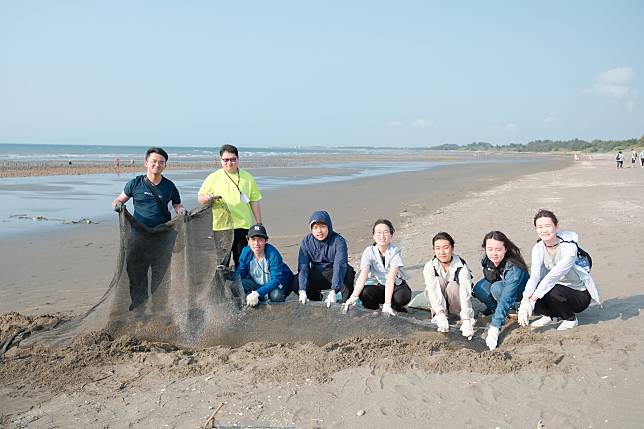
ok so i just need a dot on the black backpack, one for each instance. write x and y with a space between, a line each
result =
584 260
456 273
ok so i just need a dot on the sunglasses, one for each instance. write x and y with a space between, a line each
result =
226 160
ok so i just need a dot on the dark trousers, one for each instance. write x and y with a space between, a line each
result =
563 302
147 261
239 242
321 280
374 295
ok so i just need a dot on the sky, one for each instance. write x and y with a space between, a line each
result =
335 73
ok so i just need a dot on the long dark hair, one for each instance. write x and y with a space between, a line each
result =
512 252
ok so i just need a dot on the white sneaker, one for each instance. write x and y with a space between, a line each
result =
568 324
542 321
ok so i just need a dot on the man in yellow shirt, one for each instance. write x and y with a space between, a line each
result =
239 191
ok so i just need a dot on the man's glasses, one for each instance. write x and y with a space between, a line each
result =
227 160
157 162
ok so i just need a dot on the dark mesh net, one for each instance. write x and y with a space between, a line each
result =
169 287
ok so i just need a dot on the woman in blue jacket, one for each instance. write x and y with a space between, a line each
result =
505 275
262 271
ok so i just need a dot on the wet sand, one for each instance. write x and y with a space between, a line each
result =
587 377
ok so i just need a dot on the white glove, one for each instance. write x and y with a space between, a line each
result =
387 310
441 322
182 211
525 311
303 297
351 301
467 328
331 298
492 337
252 299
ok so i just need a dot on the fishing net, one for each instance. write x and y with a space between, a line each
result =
169 286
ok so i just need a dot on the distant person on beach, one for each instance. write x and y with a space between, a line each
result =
323 263
239 191
505 274
263 273
448 286
634 157
619 158
558 288
151 194
382 267
642 158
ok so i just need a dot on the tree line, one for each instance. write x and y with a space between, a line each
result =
576 145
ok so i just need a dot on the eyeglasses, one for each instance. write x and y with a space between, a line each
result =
227 160
157 162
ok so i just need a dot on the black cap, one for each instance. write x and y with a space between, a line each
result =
257 230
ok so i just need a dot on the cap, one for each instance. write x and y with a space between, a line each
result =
257 230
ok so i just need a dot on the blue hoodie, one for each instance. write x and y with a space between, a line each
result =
321 255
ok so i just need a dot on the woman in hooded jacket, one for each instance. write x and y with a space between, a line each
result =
560 286
505 274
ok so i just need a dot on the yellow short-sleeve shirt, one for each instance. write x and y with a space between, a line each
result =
226 185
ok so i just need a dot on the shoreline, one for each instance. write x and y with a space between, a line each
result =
31 168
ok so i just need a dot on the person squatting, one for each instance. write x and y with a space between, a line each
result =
557 286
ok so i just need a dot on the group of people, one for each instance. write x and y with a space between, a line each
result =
556 286
619 158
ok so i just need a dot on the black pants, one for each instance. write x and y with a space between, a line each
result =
239 242
563 302
147 262
319 281
374 295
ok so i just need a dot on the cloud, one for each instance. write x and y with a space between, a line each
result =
395 124
510 126
615 83
549 120
423 123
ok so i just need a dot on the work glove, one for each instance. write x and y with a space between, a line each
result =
387 310
467 328
182 211
492 337
252 299
441 322
118 207
351 301
303 298
525 311
331 298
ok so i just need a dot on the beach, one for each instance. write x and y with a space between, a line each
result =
584 378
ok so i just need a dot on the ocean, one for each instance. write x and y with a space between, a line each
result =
39 203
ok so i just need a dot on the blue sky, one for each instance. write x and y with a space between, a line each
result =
260 73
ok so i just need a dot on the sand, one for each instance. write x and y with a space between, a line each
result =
587 377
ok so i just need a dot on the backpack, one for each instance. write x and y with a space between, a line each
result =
457 272
584 260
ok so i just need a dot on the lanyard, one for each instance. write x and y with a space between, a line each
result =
238 180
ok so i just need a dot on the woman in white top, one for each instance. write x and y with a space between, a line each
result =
558 287
383 264
448 286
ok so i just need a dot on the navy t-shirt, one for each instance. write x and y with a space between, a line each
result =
146 209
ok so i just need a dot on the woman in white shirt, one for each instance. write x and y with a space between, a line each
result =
382 264
448 286
558 287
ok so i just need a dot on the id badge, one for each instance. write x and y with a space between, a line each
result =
244 198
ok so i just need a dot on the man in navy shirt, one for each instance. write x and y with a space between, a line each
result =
151 194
